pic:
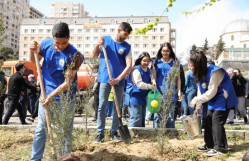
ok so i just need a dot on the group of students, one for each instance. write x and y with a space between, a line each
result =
214 85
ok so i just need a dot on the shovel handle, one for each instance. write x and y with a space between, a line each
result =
38 67
110 76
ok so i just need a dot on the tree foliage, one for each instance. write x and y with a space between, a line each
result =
193 50
205 46
9 53
219 48
2 31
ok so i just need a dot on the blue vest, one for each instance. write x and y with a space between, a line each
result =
219 102
134 94
161 73
116 54
55 64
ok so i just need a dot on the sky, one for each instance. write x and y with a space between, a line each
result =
193 29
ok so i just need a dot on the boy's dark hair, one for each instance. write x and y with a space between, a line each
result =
2 58
125 27
246 157
18 66
61 30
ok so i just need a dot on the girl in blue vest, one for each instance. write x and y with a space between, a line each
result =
215 88
138 85
163 63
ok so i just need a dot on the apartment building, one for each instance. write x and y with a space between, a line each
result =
67 9
34 13
85 33
13 12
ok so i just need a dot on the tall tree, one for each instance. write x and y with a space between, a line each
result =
205 46
219 48
2 31
193 50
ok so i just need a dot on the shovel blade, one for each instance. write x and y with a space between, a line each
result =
125 134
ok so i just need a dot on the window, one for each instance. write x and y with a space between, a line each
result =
79 30
232 37
96 30
92 21
41 22
88 30
25 38
79 38
71 31
145 45
136 53
25 53
95 38
154 30
153 45
32 30
244 45
146 20
79 45
112 30
26 31
32 38
57 21
146 37
161 29
87 45
137 37
72 22
71 38
113 21
48 30
103 30
40 31
153 53
25 45
40 38
154 37
87 38
129 20
161 37
136 45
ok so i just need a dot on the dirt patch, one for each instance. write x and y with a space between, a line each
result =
16 145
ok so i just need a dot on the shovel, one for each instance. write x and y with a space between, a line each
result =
44 96
123 129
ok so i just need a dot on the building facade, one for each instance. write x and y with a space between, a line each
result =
85 32
236 39
67 9
13 12
34 13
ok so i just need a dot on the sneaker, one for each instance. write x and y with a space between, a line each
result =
116 138
94 120
212 152
99 138
230 122
30 119
202 148
25 123
182 117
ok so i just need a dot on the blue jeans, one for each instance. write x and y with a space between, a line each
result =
184 105
158 117
137 115
109 108
104 91
40 135
148 114
190 96
32 101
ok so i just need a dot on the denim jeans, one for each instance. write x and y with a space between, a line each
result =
158 117
137 115
40 135
184 105
109 109
190 96
148 114
104 91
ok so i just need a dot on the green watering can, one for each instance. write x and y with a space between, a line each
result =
154 101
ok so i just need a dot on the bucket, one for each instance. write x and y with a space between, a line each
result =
192 125
154 101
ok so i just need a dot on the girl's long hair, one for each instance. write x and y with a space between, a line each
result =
199 61
159 53
140 57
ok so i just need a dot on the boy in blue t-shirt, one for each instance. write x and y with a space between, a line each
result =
57 54
120 61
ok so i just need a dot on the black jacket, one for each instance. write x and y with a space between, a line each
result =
239 84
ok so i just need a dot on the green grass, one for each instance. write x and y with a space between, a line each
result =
191 154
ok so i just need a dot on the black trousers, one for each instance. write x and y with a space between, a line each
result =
14 104
2 98
214 134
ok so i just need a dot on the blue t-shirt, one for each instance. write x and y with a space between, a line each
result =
190 83
55 64
116 53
